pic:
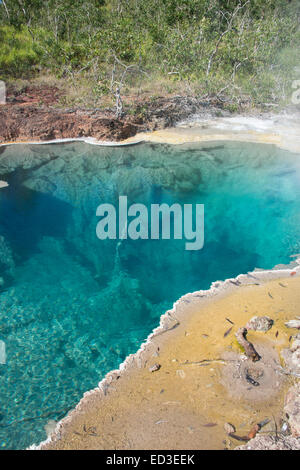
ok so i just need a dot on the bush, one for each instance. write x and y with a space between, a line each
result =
18 53
211 44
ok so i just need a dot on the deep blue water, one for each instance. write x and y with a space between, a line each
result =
73 307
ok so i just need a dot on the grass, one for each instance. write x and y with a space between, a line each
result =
272 90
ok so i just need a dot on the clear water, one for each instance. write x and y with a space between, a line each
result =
73 307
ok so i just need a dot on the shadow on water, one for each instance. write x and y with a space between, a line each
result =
26 216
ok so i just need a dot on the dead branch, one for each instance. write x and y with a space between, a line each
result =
229 28
119 104
248 347
118 75
6 9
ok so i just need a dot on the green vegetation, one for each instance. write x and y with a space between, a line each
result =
237 50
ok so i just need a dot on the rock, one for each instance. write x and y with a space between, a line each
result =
260 324
229 428
271 443
292 356
293 323
285 429
154 368
296 344
292 409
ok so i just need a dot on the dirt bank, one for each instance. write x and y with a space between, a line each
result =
35 113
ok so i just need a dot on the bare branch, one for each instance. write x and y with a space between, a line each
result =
6 9
229 27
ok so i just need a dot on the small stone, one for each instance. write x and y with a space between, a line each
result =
154 368
229 428
293 324
260 324
180 373
285 428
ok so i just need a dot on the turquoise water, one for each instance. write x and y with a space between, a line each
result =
73 307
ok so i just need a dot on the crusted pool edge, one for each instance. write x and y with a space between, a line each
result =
217 290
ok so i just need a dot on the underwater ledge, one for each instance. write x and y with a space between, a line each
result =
172 323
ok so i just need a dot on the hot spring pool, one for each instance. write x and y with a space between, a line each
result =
72 307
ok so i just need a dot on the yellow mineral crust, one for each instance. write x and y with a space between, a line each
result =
186 402
284 132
